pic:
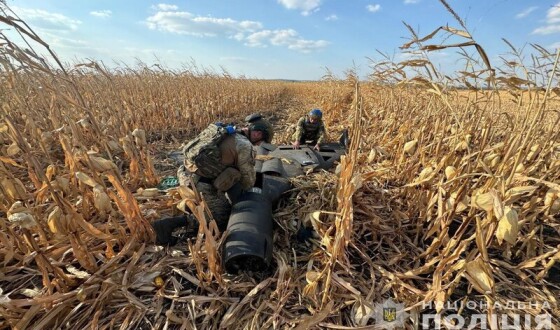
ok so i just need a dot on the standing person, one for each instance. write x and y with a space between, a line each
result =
310 130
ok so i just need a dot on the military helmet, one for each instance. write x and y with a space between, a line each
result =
262 127
253 117
316 113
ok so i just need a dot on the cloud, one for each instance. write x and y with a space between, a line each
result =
47 20
526 12
235 59
373 8
331 18
165 7
180 22
553 14
288 38
552 21
554 46
251 33
148 51
411 2
549 29
306 6
69 49
101 13
67 42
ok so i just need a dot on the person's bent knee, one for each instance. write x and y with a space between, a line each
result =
227 179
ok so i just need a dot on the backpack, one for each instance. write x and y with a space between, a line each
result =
204 152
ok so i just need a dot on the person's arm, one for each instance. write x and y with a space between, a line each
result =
299 132
322 133
246 163
300 129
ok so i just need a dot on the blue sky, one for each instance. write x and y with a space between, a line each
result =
285 39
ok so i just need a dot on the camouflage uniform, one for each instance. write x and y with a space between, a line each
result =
307 131
236 151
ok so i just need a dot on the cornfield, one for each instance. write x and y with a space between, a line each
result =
445 194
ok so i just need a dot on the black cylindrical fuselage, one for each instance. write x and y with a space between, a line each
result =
248 245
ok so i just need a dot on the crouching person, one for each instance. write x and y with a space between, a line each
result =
220 163
310 130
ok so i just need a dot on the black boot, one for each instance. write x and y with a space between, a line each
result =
164 228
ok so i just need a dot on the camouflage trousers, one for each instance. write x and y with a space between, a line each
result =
217 201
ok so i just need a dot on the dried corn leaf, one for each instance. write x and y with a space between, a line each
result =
101 164
13 150
78 273
550 196
139 137
480 276
508 227
311 321
86 179
312 276
14 188
149 192
24 220
410 147
450 172
518 191
362 313
10 161
483 201
101 200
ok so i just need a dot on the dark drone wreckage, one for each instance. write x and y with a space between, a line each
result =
248 245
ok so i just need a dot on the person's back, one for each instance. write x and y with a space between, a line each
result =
237 152
202 154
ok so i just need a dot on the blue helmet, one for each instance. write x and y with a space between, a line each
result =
316 113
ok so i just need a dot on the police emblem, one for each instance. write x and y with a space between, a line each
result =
389 314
